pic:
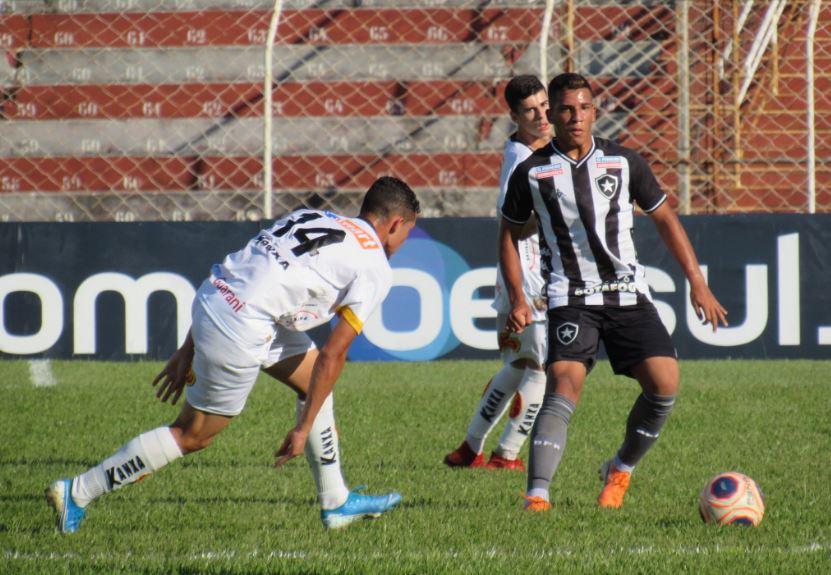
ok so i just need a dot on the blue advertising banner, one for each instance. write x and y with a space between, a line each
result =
123 290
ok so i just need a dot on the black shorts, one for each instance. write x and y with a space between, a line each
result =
631 334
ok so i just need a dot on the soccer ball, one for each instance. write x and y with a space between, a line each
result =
732 498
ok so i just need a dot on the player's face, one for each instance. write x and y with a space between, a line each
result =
531 118
572 116
398 236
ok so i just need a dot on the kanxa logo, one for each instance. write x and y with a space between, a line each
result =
118 474
492 402
330 449
528 418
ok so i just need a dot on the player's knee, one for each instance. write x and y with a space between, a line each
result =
567 383
665 383
191 443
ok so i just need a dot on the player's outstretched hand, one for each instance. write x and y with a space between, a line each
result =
293 445
519 317
706 306
176 374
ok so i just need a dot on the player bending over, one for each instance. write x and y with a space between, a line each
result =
521 378
250 314
582 190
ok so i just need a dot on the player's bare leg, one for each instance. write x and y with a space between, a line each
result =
548 438
192 431
659 377
339 506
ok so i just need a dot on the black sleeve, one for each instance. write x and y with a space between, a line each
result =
643 186
518 205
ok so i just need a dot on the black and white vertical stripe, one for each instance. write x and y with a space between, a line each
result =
585 208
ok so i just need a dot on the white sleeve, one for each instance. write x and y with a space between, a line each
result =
366 292
513 154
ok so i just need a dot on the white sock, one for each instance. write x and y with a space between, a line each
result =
136 459
323 455
492 406
524 411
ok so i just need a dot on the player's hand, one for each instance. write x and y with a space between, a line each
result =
293 445
519 317
706 306
176 374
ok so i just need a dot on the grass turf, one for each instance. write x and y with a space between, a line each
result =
225 510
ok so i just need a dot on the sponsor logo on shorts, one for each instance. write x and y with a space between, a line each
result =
567 332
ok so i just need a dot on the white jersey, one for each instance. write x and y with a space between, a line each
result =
298 274
533 283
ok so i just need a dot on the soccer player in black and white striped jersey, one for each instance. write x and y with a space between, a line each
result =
582 190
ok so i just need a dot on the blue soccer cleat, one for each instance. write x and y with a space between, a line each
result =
358 507
68 515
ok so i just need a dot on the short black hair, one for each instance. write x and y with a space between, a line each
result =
521 87
567 81
390 196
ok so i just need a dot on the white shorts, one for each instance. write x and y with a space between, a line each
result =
226 371
531 344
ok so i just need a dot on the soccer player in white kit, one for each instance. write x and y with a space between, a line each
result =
250 315
521 381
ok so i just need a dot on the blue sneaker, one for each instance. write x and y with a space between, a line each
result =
358 507
68 515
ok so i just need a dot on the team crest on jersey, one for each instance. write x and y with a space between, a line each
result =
607 185
567 332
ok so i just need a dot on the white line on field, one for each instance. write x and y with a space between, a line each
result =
40 372
492 553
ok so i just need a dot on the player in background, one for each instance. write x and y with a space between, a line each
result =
251 314
521 381
582 190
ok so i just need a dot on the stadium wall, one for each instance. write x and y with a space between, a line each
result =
122 291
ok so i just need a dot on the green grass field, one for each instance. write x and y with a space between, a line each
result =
225 510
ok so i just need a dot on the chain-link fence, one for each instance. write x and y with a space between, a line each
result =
151 109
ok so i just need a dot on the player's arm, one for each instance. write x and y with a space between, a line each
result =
326 370
511 266
705 304
176 372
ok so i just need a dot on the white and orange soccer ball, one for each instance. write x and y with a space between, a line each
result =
732 498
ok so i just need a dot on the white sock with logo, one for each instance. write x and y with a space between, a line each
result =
136 459
323 455
493 405
524 409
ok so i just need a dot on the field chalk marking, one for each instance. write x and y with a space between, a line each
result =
272 555
40 372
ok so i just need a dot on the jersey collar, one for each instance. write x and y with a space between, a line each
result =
573 162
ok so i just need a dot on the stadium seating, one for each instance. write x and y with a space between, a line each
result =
161 103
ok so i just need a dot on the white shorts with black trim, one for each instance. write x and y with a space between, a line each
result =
226 371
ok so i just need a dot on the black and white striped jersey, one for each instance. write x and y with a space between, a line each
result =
586 217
